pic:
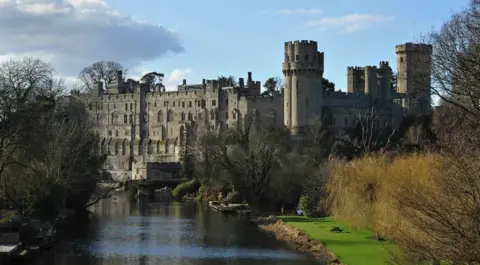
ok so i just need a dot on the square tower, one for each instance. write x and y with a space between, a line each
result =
414 76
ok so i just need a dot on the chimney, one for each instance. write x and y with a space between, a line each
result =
184 82
241 83
249 76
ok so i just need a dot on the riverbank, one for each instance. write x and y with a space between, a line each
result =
313 236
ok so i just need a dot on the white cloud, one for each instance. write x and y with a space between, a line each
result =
171 80
72 34
302 11
348 23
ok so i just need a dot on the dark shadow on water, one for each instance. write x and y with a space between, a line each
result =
124 232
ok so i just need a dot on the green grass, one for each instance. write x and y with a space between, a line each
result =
353 247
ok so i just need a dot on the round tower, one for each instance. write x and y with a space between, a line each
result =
414 76
303 71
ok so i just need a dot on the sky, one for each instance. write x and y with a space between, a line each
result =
195 40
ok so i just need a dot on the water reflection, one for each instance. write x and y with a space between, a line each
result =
123 232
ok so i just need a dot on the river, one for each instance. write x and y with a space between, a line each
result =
120 232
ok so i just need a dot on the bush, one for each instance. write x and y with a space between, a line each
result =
182 189
233 197
308 204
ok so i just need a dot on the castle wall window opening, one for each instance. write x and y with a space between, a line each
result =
131 106
174 104
183 104
126 106
297 57
214 102
190 104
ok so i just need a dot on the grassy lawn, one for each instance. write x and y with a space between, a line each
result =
353 247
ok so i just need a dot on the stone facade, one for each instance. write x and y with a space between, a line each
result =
138 125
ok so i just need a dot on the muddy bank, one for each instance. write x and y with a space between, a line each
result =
296 239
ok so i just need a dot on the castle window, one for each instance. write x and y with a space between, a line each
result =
234 116
131 118
183 104
114 118
155 104
306 57
189 104
126 106
174 103
203 103
125 119
131 106
297 57
109 132
165 103
114 105
183 116
214 102
190 116
160 116
170 115
401 59
286 57
116 133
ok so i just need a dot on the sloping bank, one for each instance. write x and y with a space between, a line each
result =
296 239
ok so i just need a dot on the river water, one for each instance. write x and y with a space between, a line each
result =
120 232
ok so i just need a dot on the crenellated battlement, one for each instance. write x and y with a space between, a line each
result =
413 47
301 43
355 68
384 65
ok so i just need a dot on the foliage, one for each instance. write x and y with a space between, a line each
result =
308 204
272 86
226 81
153 80
182 189
328 85
47 161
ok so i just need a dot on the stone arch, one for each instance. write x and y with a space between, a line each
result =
170 116
160 116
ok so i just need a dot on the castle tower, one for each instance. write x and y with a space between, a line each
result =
303 72
414 76
355 80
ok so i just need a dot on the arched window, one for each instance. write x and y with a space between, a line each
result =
183 116
190 116
125 118
170 115
160 116
131 118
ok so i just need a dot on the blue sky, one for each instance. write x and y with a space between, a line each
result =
236 36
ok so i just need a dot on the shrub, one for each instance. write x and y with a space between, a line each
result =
308 204
185 188
233 197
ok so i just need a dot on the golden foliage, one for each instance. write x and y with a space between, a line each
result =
429 204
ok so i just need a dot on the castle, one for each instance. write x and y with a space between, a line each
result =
137 125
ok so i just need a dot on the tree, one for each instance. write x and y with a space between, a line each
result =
367 137
154 80
455 59
225 81
102 71
272 86
327 84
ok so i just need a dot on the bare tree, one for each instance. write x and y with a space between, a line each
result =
456 59
102 71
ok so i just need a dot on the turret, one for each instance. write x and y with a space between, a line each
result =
303 71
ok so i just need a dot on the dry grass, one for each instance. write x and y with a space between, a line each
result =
427 203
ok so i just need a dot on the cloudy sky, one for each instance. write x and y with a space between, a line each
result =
194 39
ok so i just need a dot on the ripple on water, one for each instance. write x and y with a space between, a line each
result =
109 249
